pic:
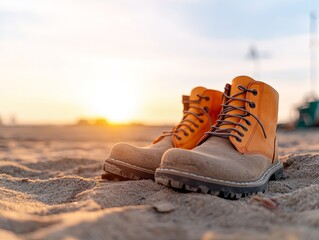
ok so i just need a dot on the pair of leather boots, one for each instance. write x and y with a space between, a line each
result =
224 145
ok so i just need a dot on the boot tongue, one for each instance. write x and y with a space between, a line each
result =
188 101
195 92
240 81
195 100
243 81
185 101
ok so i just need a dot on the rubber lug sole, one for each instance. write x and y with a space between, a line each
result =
124 171
182 181
112 177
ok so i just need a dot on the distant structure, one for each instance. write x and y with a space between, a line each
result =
82 122
92 122
308 114
13 119
100 122
309 110
255 56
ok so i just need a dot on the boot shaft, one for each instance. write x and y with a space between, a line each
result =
249 116
263 103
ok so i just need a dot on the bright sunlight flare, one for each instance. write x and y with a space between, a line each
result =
114 100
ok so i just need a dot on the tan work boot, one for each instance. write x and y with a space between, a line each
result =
239 155
201 109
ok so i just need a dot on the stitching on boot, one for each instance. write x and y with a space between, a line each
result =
129 165
225 181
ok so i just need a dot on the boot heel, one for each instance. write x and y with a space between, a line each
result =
279 174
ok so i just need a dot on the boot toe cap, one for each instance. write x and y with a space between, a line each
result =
137 156
215 167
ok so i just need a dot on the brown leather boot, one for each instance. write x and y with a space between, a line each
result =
201 109
238 156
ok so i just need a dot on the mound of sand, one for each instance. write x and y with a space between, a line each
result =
50 188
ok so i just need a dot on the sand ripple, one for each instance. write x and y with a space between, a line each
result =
50 188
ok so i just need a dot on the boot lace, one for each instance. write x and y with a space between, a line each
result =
223 117
189 123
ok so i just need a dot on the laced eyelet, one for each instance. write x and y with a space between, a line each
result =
241 134
206 109
238 139
192 130
201 120
248 123
255 92
245 129
179 138
252 105
207 99
186 134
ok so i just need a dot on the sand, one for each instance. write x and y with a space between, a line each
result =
50 188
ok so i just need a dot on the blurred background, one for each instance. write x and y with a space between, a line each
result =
130 61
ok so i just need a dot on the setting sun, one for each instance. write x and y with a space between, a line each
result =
114 100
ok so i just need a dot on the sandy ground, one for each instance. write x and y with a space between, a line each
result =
50 188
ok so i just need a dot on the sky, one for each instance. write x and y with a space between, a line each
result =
132 60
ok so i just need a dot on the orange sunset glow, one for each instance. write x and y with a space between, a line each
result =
132 62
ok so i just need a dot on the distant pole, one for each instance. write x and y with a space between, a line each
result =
313 52
253 54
